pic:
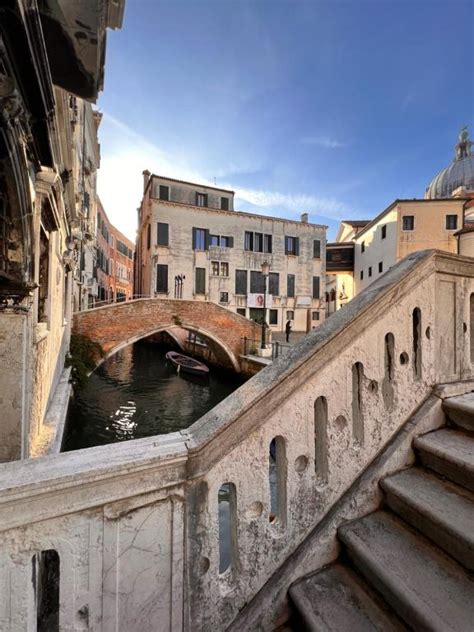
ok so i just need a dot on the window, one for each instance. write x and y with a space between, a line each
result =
256 282
267 243
227 242
408 222
290 315
273 317
148 236
361 275
384 231
214 240
224 269
451 222
201 199
380 266
215 268
258 242
241 281
224 297
200 281
241 311
292 246
362 246
162 279
274 283
290 285
163 234
315 316
370 271
248 241
316 249
200 238
316 287
164 192
224 203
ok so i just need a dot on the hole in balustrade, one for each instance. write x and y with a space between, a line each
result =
464 328
277 476
227 508
203 565
471 326
46 581
417 349
357 404
428 332
301 463
340 423
321 439
373 387
388 391
255 510
404 358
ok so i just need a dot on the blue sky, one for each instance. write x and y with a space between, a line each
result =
336 108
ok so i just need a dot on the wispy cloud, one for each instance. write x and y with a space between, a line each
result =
326 142
125 154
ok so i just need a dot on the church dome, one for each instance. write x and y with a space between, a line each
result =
460 172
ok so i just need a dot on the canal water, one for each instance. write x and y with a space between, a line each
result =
137 393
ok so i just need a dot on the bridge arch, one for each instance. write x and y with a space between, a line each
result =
118 325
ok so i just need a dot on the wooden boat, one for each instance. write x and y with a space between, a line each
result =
185 363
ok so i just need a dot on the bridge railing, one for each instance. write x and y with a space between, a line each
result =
181 531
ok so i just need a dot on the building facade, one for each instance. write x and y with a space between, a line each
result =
115 261
191 244
41 202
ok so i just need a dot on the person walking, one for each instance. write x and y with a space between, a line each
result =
288 330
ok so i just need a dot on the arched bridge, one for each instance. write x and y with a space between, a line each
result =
120 324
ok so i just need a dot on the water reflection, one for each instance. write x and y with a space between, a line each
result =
136 393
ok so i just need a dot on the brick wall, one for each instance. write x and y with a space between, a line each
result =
113 325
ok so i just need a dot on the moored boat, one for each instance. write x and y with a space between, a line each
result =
185 363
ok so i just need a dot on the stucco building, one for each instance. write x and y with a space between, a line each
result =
42 207
115 255
191 244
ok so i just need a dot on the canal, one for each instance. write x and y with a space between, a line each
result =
137 393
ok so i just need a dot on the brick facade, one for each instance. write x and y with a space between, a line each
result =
115 326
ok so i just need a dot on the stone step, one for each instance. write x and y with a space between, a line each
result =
424 586
460 410
336 600
440 509
450 453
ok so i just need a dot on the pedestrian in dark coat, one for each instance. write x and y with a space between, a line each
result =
287 330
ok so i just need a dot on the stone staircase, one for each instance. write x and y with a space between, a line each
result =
409 565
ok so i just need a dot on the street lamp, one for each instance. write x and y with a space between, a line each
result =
265 273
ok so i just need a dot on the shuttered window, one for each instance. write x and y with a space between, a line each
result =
267 243
162 278
290 285
274 283
256 282
292 245
163 234
200 281
224 203
241 281
201 239
164 192
148 236
316 287
316 249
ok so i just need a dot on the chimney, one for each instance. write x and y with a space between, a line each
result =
146 177
304 218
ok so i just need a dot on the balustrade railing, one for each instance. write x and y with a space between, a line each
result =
181 531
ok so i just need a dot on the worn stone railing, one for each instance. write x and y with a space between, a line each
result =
181 531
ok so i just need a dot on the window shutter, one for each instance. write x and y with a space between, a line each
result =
297 246
163 234
207 240
286 245
315 287
230 242
316 249
194 238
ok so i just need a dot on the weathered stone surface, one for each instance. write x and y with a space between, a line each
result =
450 453
460 410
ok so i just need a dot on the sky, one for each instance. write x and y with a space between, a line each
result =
335 108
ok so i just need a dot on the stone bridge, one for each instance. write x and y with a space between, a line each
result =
120 324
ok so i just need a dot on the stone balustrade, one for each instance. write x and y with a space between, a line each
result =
181 531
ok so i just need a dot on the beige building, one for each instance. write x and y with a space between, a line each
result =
191 244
